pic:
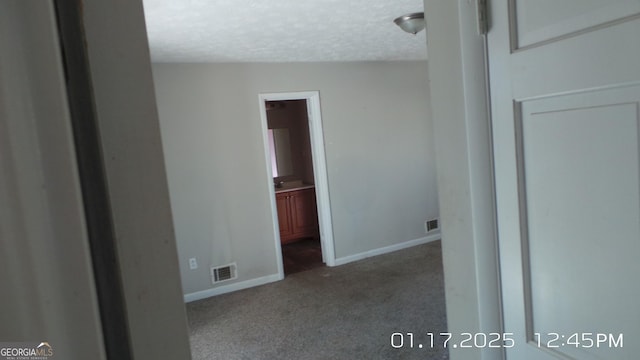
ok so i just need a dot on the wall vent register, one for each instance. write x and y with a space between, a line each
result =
223 273
432 225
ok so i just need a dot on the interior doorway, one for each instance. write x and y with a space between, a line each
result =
296 168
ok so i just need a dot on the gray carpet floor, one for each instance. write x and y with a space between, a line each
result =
344 312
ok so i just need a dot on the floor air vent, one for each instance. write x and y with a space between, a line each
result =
223 273
431 225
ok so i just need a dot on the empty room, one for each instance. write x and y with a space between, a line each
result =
235 85
311 180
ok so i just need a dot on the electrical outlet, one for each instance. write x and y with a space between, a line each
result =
193 264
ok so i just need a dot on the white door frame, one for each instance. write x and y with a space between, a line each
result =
462 129
319 171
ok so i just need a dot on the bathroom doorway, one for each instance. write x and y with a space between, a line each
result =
296 167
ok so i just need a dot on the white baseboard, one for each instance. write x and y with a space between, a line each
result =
199 295
387 249
231 287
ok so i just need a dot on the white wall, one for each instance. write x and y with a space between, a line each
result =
379 151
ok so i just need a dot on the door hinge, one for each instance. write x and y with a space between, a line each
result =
483 16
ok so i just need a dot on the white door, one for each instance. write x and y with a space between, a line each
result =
48 291
565 89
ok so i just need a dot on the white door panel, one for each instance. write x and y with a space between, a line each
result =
567 171
537 21
575 63
580 169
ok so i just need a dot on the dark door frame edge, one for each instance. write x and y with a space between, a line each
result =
93 183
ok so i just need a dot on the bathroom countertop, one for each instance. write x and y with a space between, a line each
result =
294 188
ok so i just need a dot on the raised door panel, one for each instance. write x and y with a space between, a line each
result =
305 218
538 21
580 211
284 216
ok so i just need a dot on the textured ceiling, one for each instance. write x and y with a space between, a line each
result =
281 30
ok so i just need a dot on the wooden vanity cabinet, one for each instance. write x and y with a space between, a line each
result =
297 214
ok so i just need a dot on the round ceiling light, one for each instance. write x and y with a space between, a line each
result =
411 23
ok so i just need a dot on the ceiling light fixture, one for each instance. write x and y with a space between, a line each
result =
411 23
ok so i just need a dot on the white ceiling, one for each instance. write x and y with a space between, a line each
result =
281 30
